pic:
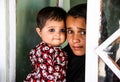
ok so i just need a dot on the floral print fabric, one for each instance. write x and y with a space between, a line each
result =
49 64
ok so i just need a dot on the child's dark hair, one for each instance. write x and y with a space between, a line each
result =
79 10
52 13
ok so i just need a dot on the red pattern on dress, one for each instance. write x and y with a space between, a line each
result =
49 64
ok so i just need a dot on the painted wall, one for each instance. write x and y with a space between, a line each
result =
75 2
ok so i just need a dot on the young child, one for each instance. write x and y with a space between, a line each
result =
49 62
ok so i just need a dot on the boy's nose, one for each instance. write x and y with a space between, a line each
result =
76 38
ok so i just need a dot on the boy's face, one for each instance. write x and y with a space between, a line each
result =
76 34
53 33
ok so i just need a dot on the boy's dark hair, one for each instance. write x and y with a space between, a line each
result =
78 11
52 13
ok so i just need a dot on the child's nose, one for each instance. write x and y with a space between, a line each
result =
57 33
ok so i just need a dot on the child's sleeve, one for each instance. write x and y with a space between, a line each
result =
33 57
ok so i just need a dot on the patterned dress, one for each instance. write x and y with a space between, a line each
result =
49 64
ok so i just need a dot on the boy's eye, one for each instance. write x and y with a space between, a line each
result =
83 33
69 31
52 30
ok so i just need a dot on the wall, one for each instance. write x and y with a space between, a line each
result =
75 2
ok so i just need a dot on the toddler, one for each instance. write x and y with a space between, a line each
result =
49 61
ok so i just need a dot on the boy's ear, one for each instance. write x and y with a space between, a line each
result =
38 30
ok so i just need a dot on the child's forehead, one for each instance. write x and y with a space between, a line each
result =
54 24
54 20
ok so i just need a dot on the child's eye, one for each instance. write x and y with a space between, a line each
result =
62 30
52 30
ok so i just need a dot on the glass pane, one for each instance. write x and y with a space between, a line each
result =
105 73
111 12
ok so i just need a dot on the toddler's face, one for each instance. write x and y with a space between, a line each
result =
53 33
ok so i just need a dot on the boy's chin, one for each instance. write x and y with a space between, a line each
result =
78 53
